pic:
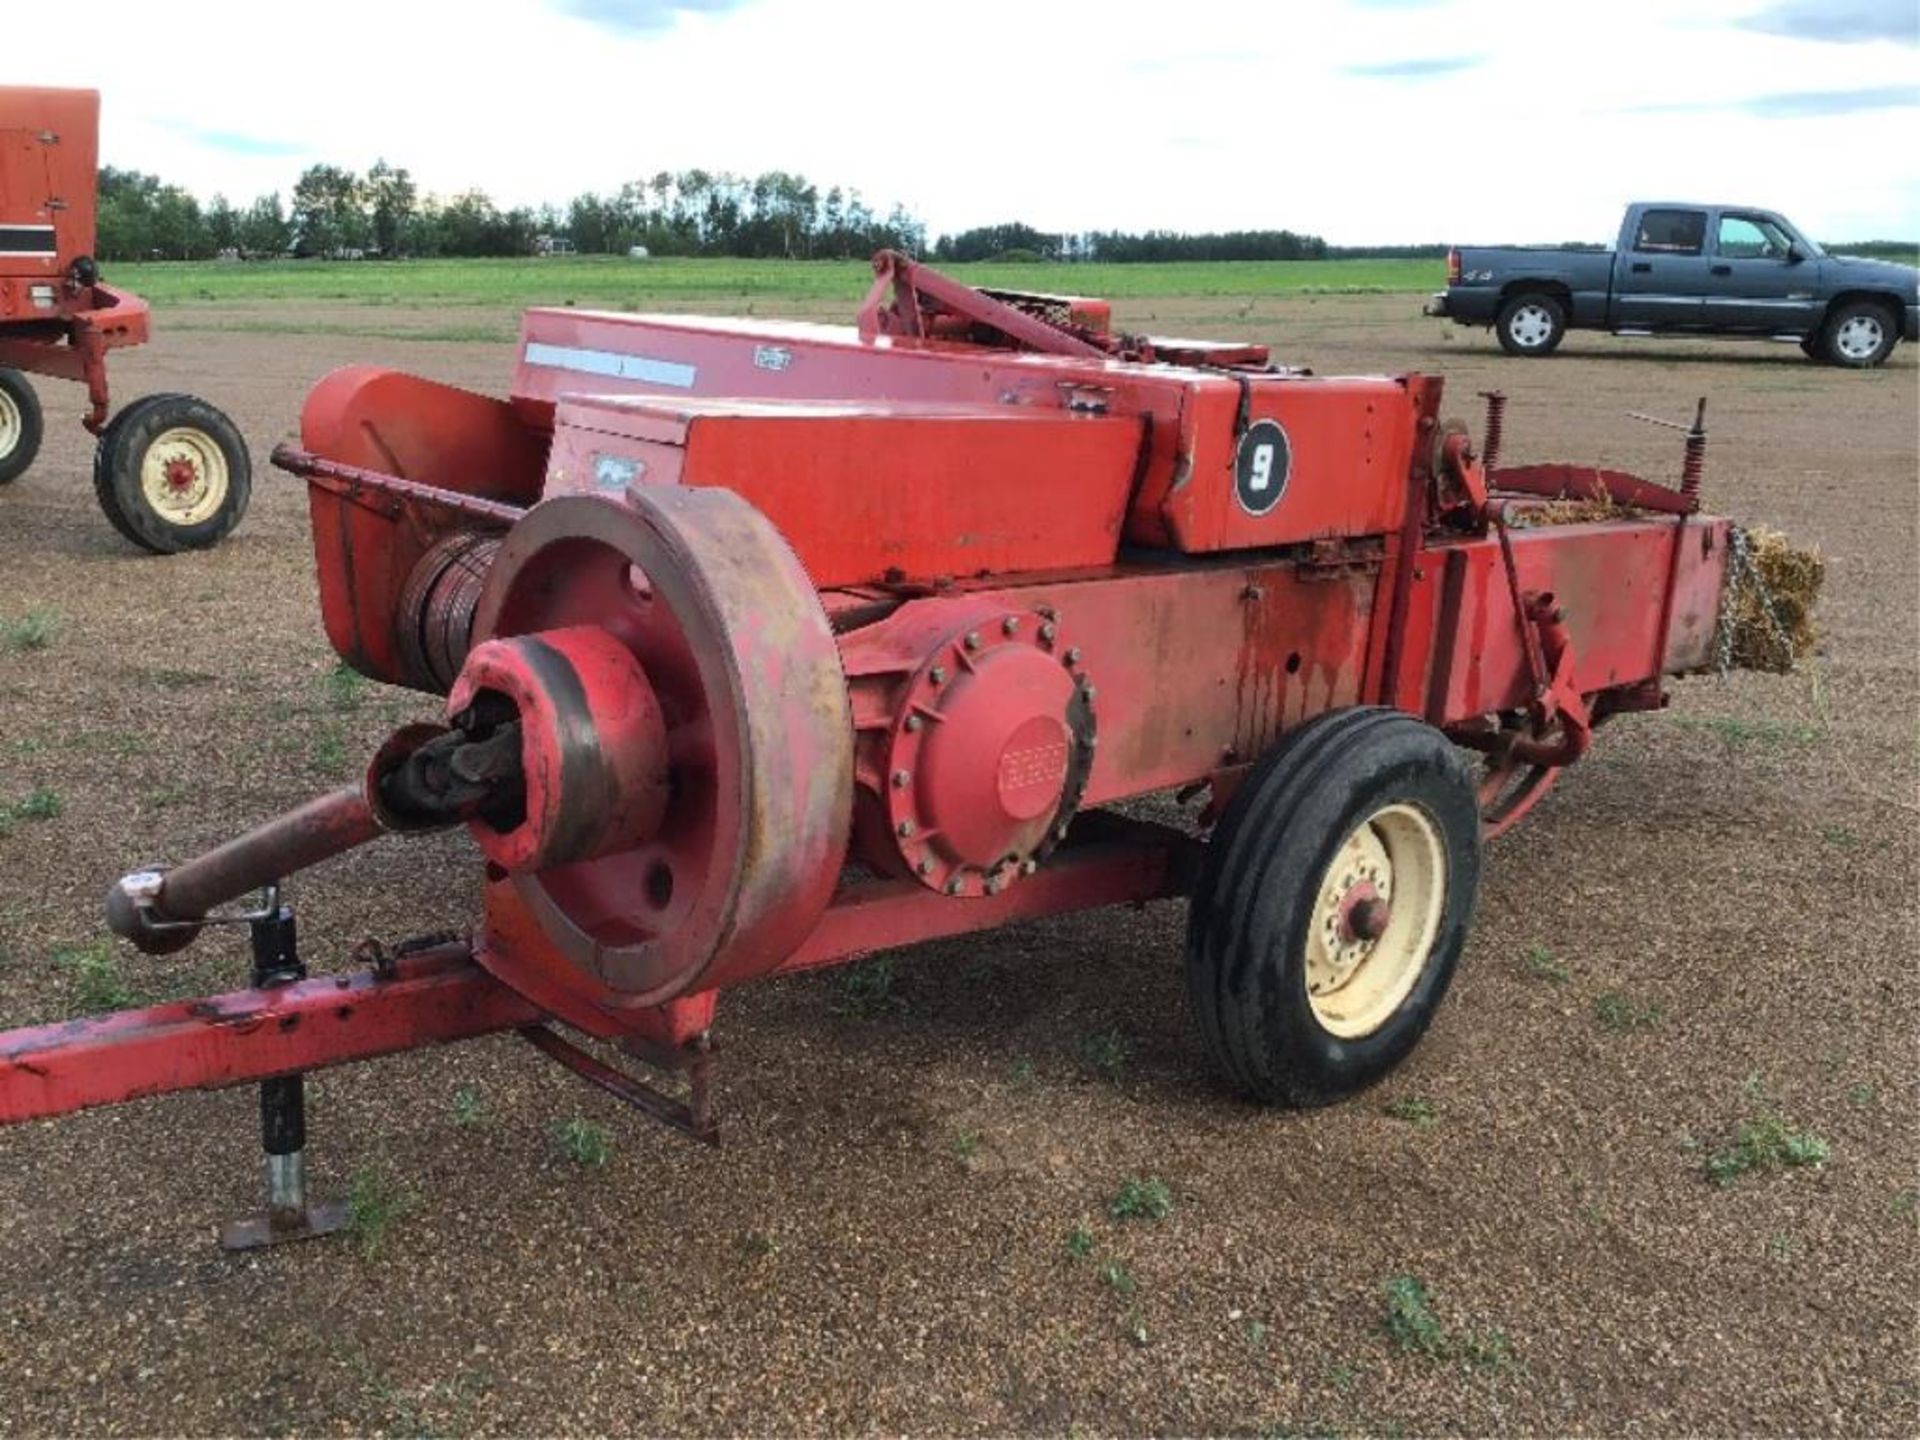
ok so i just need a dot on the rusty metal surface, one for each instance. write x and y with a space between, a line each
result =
250 1035
1123 863
692 1117
325 826
946 490
366 544
735 645
390 494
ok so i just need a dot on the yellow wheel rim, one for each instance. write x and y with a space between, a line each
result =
12 426
184 476
1376 917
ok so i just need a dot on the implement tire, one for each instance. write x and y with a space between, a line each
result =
1333 906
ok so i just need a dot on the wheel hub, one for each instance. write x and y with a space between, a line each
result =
184 476
1530 325
1859 337
1376 919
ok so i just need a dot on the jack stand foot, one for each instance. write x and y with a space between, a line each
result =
283 1118
288 1215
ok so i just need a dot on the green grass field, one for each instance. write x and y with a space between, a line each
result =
614 281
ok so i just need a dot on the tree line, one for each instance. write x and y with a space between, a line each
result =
335 212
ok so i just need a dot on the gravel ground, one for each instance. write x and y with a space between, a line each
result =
1711 922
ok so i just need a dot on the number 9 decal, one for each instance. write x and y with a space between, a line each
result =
1262 466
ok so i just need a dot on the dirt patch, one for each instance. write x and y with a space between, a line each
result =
1709 923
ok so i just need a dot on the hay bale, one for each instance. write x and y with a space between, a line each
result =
1770 610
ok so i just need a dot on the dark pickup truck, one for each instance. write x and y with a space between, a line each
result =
1688 270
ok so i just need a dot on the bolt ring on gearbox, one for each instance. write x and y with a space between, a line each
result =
992 743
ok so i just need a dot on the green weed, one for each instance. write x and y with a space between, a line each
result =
1080 1242
1413 1328
1621 1013
1416 1110
966 1144
1738 730
327 751
1767 1142
1543 964
42 804
374 1202
469 1108
93 977
344 687
1410 1322
584 1143
1148 1199
1117 1277
32 631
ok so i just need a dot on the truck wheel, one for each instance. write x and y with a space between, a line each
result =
1859 334
1333 906
21 425
172 473
1531 324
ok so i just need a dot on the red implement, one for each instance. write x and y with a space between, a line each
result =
766 646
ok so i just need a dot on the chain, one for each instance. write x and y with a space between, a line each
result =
1742 571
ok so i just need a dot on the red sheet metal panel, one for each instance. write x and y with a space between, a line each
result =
869 493
49 152
1197 669
1608 578
1332 455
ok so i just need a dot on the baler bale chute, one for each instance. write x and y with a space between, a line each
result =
170 471
767 646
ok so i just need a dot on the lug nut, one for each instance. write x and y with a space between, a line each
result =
1048 631
938 674
973 640
1027 867
953 886
913 722
900 779
1010 625
1073 655
925 867
904 829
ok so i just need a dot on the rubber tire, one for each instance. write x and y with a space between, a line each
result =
103 490
1555 310
1829 334
1254 903
32 426
116 473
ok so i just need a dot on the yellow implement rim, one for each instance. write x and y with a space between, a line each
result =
1354 984
184 476
12 426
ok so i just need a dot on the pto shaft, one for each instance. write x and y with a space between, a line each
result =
425 777
160 911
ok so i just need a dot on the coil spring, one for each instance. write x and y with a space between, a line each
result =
1496 424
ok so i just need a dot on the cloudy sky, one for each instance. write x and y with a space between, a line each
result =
1361 120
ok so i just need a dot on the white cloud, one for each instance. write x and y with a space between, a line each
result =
1476 119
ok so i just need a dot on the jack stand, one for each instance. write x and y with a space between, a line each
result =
283 1114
